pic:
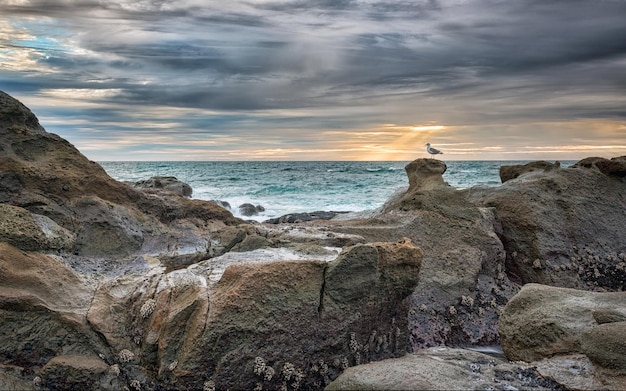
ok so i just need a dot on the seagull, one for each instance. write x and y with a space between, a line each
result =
433 151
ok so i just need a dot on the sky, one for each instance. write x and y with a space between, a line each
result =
321 79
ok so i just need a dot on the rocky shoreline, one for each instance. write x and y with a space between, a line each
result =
109 285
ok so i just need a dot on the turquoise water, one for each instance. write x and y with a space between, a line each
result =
291 187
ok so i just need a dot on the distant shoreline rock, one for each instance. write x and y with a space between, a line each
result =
165 183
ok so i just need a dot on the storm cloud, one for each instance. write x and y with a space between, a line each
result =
213 80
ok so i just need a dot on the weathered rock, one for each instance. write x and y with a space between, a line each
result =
425 174
543 321
442 369
71 197
605 345
511 172
251 242
11 378
165 183
602 315
111 230
302 217
248 209
556 231
73 372
576 372
18 228
614 167
42 309
303 319
462 286
116 308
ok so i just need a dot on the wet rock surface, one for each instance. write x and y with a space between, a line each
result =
303 217
248 209
104 285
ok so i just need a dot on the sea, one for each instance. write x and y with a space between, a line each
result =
285 187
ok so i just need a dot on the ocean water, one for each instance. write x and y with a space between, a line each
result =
292 187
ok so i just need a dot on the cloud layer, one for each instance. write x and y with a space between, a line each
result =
321 80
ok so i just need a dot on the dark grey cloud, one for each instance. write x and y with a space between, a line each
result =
348 62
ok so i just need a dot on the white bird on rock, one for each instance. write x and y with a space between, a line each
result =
433 151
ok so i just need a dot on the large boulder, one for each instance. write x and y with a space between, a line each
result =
542 321
294 323
562 227
80 209
29 231
615 167
442 369
249 209
73 372
462 285
43 303
165 183
511 172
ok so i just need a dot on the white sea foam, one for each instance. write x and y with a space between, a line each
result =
295 187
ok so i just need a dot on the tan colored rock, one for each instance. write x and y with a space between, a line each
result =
441 369
291 315
562 227
425 174
543 321
605 345
116 308
41 281
73 372
180 317
43 304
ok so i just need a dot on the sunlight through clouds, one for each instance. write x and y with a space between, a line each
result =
319 80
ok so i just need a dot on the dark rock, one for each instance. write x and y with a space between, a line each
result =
303 217
248 209
73 372
511 172
165 183
9 185
614 167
